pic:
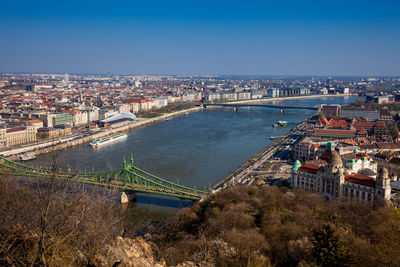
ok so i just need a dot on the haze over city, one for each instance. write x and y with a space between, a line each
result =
201 37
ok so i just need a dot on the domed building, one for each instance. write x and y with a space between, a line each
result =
333 180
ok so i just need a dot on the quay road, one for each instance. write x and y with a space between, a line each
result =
243 173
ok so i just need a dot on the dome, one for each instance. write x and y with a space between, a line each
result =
330 146
355 151
296 165
364 159
336 160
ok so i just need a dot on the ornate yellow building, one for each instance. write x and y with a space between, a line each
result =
330 179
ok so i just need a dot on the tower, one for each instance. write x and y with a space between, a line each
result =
296 166
383 184
66 78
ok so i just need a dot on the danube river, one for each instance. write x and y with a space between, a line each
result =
197 149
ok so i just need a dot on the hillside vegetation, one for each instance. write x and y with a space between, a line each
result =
45 222
247 226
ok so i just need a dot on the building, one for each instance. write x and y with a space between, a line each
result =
119 120
256 94
213 97
331 110
272 93
79 117
244 96
107 113
333 180
229 96
92 114
305 151
49 120
54 132
17 135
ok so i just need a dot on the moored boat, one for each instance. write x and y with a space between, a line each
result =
280 124
107 140
26 157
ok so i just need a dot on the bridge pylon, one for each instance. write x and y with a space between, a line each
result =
127 197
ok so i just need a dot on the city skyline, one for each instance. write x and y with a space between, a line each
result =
223 38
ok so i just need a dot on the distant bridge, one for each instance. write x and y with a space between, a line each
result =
128 179
281 107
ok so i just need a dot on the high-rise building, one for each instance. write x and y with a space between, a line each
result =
66 78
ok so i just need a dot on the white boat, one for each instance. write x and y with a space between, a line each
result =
107 140
280 124
27 157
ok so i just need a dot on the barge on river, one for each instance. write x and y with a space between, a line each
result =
107 140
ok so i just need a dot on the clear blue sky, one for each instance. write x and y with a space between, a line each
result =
303 37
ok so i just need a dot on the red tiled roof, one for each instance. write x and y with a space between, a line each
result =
360 179
71 111
364 124
362 131
322 120
338 124
12 130
316 162
392 146
363 140
309 168
34 121
136 100
336 131
348 141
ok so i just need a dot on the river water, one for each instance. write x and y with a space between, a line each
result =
197 149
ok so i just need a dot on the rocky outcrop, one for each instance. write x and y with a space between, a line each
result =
135 252
125 252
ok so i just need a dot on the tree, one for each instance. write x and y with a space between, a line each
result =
328 249
46 221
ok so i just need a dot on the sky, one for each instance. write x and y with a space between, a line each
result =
281 37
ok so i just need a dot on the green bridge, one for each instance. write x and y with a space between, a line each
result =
128 179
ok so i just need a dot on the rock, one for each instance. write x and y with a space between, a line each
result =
193 264
127 252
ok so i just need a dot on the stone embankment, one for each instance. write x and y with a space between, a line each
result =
69 141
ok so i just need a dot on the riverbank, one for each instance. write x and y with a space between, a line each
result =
259 158
69 141
285 98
